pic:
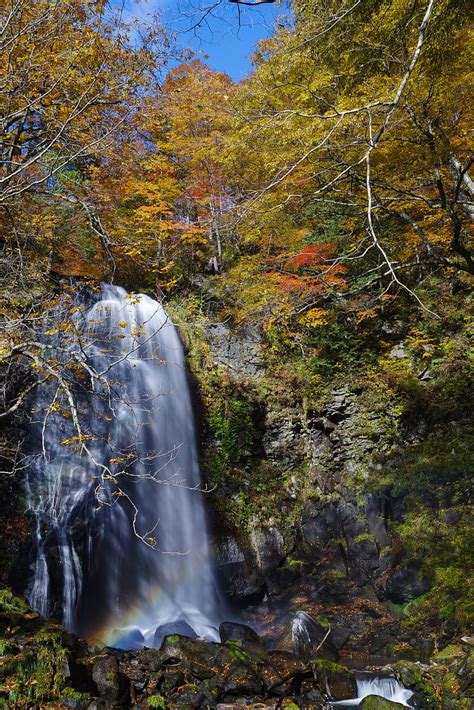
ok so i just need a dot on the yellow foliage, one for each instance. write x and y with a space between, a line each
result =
314 318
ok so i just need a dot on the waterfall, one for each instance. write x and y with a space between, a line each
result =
120 538
384 686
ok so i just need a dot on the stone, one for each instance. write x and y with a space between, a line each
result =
340 635
242 679
179 628
335 681
310 691
398 352
376 702
242 582
111 684
172 678
269 547
232 631
189 695
151 659
364 559
284 441
197 654
307 638
375 505
280 668
239 351
407 582
317 527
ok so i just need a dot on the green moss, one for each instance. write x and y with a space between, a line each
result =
237 652
363 537
173 638
11 605
323 664
69 694
157 702
449 653
35 672
375 702
438 684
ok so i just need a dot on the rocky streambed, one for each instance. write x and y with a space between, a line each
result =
42 666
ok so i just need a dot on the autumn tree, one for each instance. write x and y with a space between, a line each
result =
353 130
163 198
71 81
72 78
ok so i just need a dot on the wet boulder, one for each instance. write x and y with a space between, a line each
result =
305 637
340 635
231 631
173 628
201 659
376 702
335 681
269 547
173 677
150 659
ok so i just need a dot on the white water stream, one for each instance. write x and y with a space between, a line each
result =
88 560
385 687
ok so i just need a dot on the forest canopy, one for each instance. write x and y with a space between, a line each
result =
338 169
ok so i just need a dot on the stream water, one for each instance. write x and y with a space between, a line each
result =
372 684
121 546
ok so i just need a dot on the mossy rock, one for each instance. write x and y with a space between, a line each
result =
376 702
337 681
12 606
449 653
157 702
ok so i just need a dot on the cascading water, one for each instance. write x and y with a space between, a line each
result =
121 539
383 686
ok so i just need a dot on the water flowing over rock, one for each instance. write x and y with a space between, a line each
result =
121 535
372 686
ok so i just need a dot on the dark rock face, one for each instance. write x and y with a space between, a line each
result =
406 583
241 580
239 351
269 547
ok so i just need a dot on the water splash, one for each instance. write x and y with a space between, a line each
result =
120 537
383 686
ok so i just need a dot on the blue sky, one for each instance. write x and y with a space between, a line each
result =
225 38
